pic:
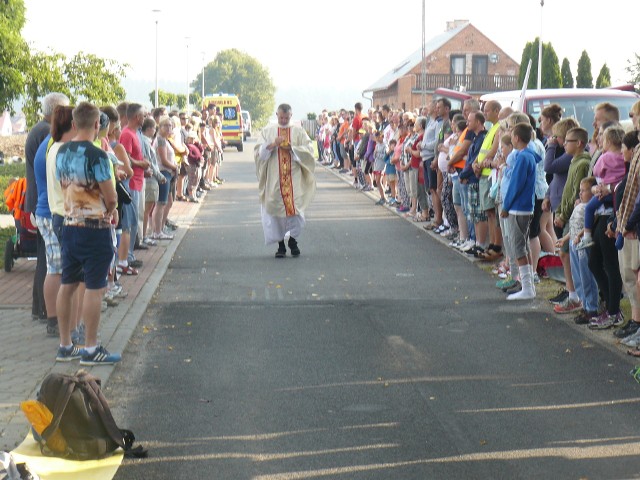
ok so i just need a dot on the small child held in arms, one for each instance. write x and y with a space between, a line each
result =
517 206
379 154
609 170
583 280
390 170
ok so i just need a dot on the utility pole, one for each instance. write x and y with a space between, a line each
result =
156 13
423 69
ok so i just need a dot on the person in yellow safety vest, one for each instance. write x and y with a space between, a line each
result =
483 169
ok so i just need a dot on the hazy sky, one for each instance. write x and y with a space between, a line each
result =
333 48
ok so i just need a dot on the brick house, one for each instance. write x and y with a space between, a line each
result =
461 58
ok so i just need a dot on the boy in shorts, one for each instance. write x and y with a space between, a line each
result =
90 198
517 206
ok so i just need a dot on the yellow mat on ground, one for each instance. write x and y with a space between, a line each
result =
52 468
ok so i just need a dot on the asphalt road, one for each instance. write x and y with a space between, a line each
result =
379 353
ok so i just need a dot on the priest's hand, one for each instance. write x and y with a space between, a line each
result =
281 142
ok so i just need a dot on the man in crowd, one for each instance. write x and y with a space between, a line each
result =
90 199
36 135
131 143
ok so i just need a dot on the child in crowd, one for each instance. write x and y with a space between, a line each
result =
609 170
575 142
509 263
583 280
517 206
379 154
390 169
195 161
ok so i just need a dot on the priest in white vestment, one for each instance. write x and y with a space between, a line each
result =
286 182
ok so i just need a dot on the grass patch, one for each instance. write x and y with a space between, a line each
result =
5 234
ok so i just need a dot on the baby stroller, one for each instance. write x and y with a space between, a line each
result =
23 243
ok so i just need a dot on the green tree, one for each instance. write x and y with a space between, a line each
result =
565 72
551 77
195 99
181 101
44 73
13 52
94 79
233 71
604 77
171 99
633 69
165 99
584 78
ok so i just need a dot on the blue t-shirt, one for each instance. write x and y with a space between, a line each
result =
40 171
389 168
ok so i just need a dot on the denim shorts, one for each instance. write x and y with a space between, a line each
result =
163 188
431 176
129 216
51 244
86 256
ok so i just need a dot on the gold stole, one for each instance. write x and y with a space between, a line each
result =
286 181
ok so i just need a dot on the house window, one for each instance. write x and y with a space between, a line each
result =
479 73
480 65
458 66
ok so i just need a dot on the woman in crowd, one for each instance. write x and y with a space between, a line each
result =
169 169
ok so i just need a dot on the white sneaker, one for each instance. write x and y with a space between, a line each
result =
466 246
632 340
524 294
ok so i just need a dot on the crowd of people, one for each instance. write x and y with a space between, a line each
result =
101 183
509 188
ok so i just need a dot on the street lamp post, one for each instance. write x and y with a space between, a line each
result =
423 65
187 101
156 12
203 54
540 49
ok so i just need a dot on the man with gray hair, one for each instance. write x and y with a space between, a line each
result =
286 181
36 136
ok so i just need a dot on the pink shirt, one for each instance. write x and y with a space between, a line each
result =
131 143
610 168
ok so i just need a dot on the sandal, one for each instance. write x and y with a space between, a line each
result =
431 226
180 199
490 255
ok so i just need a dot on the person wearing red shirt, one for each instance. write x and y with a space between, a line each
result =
131 143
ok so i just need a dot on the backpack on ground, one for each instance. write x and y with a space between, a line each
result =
82 414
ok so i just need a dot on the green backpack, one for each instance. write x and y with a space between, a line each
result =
82 413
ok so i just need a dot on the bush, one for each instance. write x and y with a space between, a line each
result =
7 174
5 234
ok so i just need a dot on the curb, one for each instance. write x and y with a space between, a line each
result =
116 330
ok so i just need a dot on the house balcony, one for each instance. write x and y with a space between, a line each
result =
473 84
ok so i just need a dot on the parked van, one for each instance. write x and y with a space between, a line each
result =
578 103
456 98
246 124
228 107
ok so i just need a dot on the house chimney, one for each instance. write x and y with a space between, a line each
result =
455 24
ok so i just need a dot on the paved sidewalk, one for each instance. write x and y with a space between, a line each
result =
27 355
